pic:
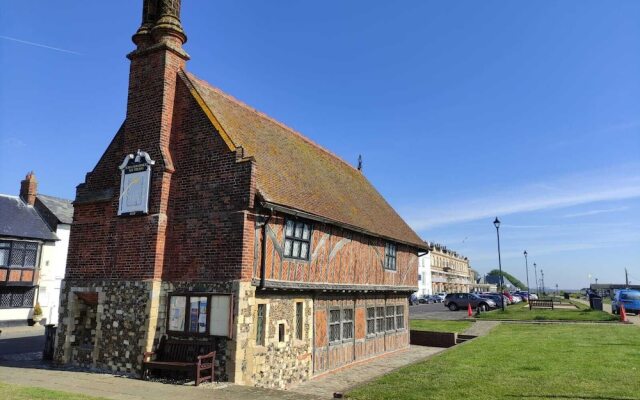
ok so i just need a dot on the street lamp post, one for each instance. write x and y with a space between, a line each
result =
542 280
526 263
496 223
535 270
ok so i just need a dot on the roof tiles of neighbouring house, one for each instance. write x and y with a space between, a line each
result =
294 172
62 209
20 220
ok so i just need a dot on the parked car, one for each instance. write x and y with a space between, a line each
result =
509 296
413 300
533 296
440 296
516 298
495 297
425 299
630 299
456 301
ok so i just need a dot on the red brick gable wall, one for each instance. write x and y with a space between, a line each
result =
338 256
211 190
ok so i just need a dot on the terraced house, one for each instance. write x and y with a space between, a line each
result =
207 220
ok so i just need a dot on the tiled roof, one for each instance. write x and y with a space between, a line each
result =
20 220
294 172
62 209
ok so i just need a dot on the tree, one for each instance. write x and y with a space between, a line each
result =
509 277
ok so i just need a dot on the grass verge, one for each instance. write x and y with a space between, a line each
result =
439 326
15 392
524 361
521 312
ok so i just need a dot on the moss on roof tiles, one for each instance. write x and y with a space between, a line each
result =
295 172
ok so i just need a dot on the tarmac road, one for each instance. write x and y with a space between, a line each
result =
435 311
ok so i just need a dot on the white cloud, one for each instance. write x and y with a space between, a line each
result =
619 183
595 212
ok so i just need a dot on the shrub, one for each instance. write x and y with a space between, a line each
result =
37 310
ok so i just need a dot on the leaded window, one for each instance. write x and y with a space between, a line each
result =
391 320
260 324
371 320
347 323
334 325
18 254
390 256
297 242
299 318
379 319
17 297
399 317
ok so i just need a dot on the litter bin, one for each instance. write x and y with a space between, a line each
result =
596 303
49 342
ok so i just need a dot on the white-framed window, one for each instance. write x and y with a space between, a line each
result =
297 239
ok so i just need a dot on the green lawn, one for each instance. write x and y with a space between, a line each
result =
521 312
524 361
439 326
14 392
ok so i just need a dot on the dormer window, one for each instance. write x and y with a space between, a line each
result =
297 239
390 256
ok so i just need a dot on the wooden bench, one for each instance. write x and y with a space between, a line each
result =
540 304
195 357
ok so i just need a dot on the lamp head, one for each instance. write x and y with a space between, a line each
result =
496 223
525 253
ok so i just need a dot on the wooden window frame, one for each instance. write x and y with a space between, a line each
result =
299 323
390 318
380 319
294 239
400 317
372 320
261 324
344 322
390 256
11 292
207 333
338 323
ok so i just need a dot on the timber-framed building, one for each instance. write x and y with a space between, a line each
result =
206 219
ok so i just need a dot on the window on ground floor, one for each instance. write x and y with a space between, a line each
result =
371 320
299 319
260 324
379 319
17 297
334 325
399 317
391 320
200 314
347 323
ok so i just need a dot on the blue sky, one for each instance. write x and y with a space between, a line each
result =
462 110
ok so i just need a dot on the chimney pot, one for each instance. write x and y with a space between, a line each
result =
29 189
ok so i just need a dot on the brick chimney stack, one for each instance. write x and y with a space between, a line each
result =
29 189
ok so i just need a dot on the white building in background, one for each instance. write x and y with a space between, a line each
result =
424 275
34 238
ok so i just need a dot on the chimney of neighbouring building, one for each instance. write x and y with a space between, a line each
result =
29 189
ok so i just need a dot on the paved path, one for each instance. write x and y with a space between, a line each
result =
118 388
343 380
481 328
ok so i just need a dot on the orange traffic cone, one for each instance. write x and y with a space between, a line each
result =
469 312
623 314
